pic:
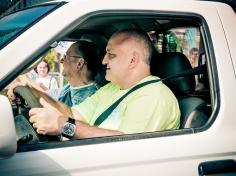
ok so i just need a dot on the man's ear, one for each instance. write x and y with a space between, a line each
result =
134 60
80 63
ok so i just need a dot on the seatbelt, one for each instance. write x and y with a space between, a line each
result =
108 111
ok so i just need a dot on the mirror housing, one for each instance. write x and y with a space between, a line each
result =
8 144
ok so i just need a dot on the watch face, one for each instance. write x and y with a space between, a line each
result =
68 129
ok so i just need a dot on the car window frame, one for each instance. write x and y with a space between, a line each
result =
213 80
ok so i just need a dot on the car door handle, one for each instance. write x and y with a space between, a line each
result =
224 167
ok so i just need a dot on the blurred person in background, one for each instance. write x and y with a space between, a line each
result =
193 57
42 77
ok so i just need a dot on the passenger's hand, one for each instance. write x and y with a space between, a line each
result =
47 120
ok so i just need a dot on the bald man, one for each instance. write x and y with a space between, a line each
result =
150 108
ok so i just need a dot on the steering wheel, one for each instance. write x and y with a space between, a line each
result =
24 130
26 93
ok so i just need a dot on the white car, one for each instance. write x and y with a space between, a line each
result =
205 143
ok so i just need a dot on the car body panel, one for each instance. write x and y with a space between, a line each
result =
168 155
8 144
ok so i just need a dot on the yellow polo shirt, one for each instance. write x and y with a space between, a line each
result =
150 108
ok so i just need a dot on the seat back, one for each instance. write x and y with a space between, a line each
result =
194 111
168 64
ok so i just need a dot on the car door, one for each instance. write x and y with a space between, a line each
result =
177 152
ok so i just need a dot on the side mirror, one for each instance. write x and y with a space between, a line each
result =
8 144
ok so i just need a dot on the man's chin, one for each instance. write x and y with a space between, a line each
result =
107 78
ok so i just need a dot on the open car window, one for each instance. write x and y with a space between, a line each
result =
173 38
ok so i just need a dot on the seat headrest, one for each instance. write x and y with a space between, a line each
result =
168 64
99 40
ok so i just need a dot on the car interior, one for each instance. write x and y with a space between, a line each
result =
171 37
166 61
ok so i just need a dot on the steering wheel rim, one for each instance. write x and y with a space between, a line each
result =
26 93
33 102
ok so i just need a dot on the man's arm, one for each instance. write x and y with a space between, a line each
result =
29 82
84 130
22 80
48 120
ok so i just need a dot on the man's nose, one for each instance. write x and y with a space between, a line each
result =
104 60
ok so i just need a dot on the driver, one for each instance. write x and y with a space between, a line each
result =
150 108
80 66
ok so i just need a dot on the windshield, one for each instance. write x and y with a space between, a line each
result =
15 23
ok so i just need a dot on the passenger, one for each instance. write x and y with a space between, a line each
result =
81 64
150 108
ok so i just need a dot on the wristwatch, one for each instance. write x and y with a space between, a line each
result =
69 128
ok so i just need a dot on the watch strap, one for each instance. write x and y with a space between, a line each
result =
71 120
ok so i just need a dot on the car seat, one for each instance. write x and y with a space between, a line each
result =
194 110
